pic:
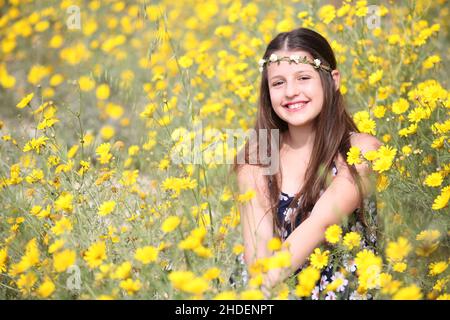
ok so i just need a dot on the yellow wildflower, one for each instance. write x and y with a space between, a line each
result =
185 62
148 111
354 156
327 13
46 289
55 246
123 271
437 267
367 126
25 101
434 179
146 254
375 77
170 224
319 259
103 92
246 196
180 278
197 286
107 132
86 83
3 258
400 106
411 292
35 144
129 177
225 295
307 279
61 226
63 260
429 235
442 200
333 234
131 286
64 202
397 251
211 273
274 244
26 282
251 294
103 152
238 249
96 254
106 208
399 266
352 240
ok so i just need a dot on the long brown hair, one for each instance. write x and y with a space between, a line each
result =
332 128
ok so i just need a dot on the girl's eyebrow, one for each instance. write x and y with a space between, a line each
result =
297 72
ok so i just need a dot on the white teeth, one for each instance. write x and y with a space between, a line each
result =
296 106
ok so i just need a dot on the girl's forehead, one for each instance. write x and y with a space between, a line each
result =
300 53
285 67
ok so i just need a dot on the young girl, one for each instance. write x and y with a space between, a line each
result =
314 186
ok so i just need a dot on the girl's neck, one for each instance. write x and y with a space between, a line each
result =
299 139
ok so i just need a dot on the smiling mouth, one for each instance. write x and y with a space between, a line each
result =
295 106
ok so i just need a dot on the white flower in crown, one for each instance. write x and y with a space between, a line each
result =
295 58
273 57
317 62
261 63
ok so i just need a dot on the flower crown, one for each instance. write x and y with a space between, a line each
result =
293 58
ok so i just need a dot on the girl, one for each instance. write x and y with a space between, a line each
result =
315 187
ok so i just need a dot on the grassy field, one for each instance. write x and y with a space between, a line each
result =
98 96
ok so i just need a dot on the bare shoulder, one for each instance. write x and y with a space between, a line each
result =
251 177
365 142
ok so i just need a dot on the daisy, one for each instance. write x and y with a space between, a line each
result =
323 282
331 296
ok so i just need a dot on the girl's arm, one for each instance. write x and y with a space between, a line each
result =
257 226
339 200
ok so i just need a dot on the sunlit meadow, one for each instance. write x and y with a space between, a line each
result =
97 95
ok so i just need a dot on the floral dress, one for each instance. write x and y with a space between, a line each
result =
329 273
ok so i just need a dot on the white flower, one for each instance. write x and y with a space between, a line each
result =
315 293
317 62
273 57
331 296
339 275
261 63
295 58
356 296
323 282
288 214
349 264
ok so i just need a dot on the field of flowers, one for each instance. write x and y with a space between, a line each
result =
98 96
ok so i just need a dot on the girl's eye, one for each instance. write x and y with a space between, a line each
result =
276 84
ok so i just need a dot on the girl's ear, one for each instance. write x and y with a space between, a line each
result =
336 78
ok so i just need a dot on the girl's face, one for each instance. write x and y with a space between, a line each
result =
297 86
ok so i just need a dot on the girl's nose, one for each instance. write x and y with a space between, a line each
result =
292 89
